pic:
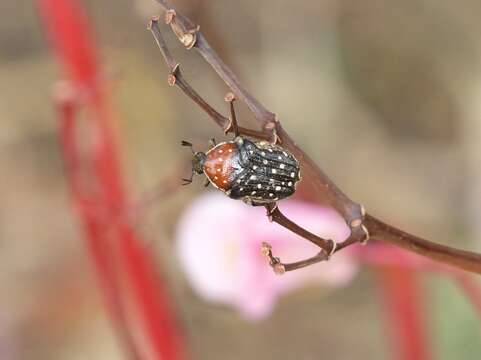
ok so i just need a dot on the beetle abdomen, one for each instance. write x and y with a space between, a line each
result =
267 173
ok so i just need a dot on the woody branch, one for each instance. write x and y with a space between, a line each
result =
362 225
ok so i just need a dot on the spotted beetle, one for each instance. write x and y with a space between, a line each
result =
258 173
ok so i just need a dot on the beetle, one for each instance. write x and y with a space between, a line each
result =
258 173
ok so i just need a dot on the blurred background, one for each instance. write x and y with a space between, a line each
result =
385 96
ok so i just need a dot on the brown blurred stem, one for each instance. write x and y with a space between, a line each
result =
361 225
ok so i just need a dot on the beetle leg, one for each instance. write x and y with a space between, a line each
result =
230 98
206 182
186 143
212 143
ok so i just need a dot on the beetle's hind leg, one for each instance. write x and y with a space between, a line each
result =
232 126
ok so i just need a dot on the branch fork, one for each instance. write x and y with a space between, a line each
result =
363 226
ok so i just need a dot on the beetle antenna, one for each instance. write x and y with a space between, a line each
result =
186 143
187 181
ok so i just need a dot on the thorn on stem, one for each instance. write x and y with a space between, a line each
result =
271 127
171 79
153 19
333 249
186 36
270 208
366 231
229 97
169 16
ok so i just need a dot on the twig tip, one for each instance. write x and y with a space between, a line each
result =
266 249
171 79
153 20
229 97
169 16
279 269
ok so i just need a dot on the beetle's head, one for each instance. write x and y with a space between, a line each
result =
198 161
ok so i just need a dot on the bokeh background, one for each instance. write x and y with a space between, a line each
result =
385 95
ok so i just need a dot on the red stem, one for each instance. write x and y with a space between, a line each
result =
99 193
403 302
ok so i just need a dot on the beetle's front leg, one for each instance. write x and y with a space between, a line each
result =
211 143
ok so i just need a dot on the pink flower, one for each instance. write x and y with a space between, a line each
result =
218 244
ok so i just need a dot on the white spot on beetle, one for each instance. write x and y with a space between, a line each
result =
225 181
220 159
218 169
271 194
259 186
263 153
289 183
230 150
255 167
215 177
241 189
270 150
274 171
282 166
278 188
238 181
293 174
253 177
279 157
221 151
285 154
253 193
265 162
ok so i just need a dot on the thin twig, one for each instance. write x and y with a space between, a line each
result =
175 77
329 193
361 225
